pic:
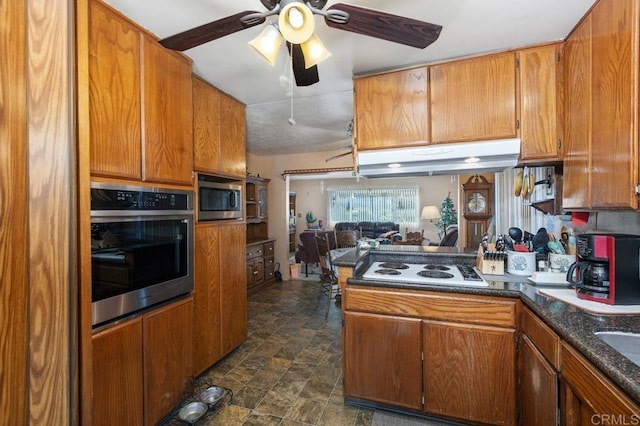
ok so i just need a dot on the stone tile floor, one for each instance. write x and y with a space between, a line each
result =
289 370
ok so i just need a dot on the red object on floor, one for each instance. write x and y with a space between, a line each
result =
579 218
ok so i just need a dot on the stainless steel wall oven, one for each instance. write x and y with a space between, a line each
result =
141 248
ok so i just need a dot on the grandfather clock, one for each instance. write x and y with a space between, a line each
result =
478 208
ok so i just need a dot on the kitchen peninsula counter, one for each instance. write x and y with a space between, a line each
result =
572 324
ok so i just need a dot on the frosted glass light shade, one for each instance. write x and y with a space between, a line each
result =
267 44
314 51
296 22
430 213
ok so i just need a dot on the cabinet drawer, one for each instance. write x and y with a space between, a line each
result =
542 337
466 308
269 249
268 273
255 251
268 262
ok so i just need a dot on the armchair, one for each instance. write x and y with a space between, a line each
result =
307 251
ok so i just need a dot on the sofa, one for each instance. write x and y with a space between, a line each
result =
371 230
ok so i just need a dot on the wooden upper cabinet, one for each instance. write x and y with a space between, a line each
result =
540 103
576 187
615 69
206 126
392 109
473 99
167 142
219 131
233 137
114 94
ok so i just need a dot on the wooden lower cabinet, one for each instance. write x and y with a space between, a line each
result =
469 372
538 387
587 397
140 367
449 355
117 375
168 352
383 359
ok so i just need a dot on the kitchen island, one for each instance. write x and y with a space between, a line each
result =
572 328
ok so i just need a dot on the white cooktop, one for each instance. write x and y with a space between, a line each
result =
410 275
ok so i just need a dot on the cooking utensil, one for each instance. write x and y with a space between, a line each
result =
521 248
516 234
540 240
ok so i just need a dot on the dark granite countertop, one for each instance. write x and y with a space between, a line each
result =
571 323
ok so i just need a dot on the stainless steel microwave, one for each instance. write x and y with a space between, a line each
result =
219 198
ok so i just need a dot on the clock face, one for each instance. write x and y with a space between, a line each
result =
477 203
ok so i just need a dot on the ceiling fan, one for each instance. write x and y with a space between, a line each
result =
295 24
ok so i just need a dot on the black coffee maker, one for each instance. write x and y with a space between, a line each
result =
607 269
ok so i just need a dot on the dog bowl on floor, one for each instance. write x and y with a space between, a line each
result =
212 395
192 412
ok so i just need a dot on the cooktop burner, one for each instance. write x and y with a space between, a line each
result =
436 268
435 274
387 272
423 273
394 265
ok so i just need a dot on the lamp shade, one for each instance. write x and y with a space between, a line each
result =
296 22
430 213
267 43
314 51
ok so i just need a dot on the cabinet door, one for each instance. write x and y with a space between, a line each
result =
114 94
473 99
168 355
576 187
383 359
117 375
615 96
262 202
206 126
206 298
538 387
392 109
233 140
465 368
233 287
587 395
539 103
167 144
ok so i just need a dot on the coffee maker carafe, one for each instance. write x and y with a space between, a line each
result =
607 269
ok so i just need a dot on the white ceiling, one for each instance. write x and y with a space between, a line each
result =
322 112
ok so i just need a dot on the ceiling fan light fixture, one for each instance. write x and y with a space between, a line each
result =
296 22
314 51
267 43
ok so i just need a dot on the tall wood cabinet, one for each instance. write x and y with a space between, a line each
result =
473 99
220 292
260 262
219 134
601 167
391 110
140 103
141 367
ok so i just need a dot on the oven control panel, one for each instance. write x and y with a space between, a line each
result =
126 199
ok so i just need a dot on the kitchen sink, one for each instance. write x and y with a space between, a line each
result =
628 344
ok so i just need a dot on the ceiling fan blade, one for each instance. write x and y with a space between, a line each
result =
304 76
386 26
208 32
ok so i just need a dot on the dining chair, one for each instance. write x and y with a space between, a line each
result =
347 238
328 276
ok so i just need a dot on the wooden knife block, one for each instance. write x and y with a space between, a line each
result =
490 267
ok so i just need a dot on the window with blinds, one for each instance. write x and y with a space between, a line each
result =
399 205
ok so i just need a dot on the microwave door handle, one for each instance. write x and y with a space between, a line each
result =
232 199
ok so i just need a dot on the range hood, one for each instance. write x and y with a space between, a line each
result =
454 158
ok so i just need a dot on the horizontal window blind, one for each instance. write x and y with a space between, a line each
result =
398 205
